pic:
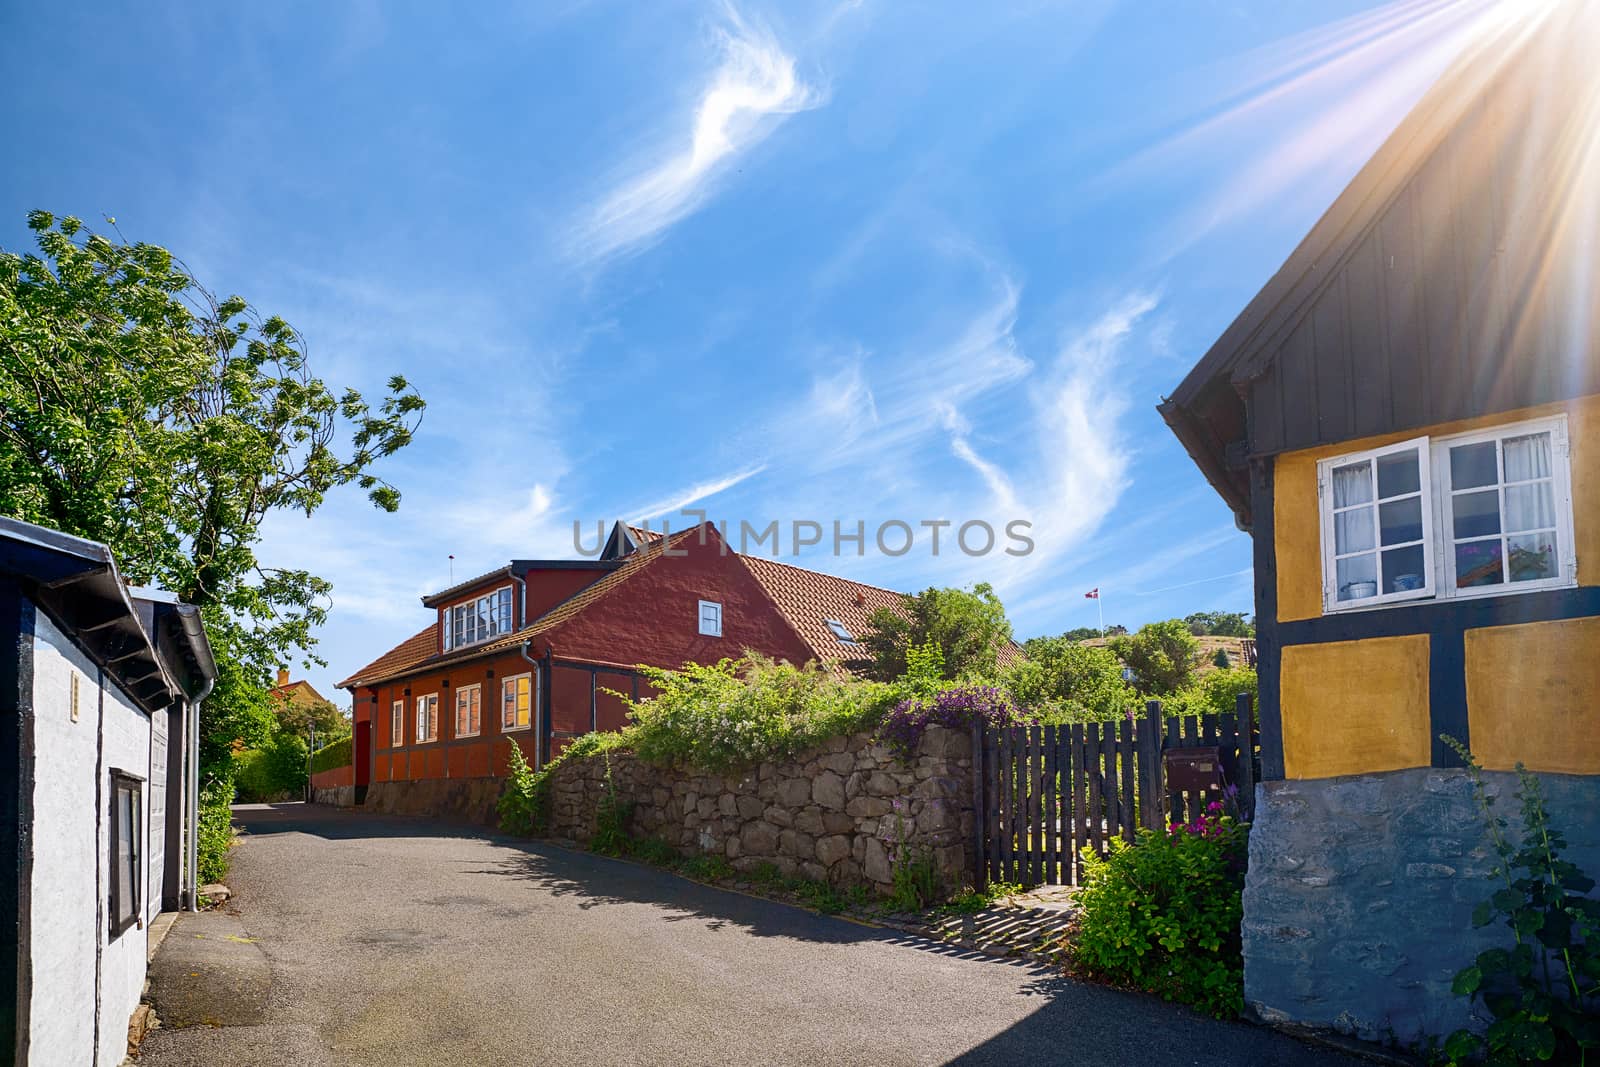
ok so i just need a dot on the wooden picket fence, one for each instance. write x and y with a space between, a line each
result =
1042 794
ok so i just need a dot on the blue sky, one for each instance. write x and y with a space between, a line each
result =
843 261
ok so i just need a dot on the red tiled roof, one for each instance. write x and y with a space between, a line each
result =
300 693
407 654
808 599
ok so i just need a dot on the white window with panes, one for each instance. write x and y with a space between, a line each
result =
1477 514
469 710
397 724
517 702
477 620
710 618
427 718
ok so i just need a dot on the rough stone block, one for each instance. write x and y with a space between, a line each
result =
808 820
868 807
832 849
794 792
778 816
876 863
759 839
828 791
796 844
750 807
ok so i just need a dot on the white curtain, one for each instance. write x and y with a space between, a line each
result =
1352 484
1527 457
1532 506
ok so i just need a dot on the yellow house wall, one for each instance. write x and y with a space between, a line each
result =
1355 707
1298 528
1533 695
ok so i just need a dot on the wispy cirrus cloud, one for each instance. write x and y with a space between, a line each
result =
692 495
750 89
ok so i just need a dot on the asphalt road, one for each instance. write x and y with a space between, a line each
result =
401 941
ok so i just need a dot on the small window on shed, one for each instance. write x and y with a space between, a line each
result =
127 833
840 632
710 618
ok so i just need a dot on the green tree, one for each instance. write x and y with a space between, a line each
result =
1067 681
968 626
1081 633
1219 624
139 409
1162 656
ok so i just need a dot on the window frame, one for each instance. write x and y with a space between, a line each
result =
700 618
532 678
432 718
498 619
841 632
1439 517
476 688
397 723
1331 604
122 780
1566 575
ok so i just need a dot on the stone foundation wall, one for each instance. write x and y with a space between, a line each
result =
468 799
1359 897
834 814
338 796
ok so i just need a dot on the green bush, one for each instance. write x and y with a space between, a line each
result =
520 798
275 771
1213 693
337 754
1162 656
743 711
1543 988
1062 681
611 817
1163 914
215 834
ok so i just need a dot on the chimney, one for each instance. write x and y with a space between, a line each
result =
861 599
283 677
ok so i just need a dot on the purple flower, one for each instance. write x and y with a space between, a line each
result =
959 708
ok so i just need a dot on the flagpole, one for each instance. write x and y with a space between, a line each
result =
1100 606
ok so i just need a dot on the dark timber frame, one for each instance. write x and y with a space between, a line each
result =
16 818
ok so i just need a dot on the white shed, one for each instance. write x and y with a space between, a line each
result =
99 702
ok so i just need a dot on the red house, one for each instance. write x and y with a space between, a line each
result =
525 655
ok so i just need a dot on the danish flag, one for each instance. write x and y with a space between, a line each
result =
1093 594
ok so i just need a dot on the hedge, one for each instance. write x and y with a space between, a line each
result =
328 757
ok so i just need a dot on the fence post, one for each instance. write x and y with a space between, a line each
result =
980 853
1244 708
1153 788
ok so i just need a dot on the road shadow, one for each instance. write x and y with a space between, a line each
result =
346 824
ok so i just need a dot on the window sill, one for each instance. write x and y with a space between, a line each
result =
516 729
1475 593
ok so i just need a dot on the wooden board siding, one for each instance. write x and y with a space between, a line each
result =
1445 307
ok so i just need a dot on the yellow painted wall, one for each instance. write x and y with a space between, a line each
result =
1533 694
1298 530
1355 707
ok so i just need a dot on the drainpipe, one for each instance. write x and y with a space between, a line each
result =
194 793
534 694
522 607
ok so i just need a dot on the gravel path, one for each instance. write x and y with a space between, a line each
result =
404 941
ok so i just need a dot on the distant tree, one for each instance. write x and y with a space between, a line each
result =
327 720
1062 679
1219 624
139 409
1162 656
1220 659
968 626
1079 633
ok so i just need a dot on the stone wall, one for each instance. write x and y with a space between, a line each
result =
835 813
338 796
468 799
1358 901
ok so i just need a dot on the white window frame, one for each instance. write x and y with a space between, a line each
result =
1438 519
840 631
397 723
1330 566
483 618
1566 575
716 629
430 717
532 679
461 691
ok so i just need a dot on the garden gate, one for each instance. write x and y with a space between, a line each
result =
1042 794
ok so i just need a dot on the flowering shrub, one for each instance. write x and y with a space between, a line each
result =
958 708
738 712
1163 914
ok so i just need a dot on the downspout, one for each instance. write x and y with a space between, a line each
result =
193 858
522 606
535 694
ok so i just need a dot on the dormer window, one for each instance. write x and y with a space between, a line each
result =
840 632
477 620
710 618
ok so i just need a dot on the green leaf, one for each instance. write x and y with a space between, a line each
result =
1467 982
